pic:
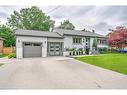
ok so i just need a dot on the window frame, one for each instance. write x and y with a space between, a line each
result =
77 40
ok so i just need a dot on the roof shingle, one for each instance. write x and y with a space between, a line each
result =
77 33
37 33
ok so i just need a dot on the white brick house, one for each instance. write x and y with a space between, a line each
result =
31 43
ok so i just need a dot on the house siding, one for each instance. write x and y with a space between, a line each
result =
68 42
91 43
54 40
21 39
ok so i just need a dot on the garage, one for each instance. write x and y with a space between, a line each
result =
32 50
54 48
33 43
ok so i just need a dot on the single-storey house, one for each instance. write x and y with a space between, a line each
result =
1 45
32 43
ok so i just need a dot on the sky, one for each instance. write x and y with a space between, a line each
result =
99 18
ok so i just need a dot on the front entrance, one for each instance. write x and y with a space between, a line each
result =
54 48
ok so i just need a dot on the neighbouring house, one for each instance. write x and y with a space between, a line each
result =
1 45
31 43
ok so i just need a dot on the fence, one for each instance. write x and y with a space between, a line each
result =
8 50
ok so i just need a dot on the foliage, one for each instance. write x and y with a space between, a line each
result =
93 31
94 44
30 18
118 37
112 50
13 55
66 24
3 55
106 50
8 36
113 62
80 49
85 30
103 50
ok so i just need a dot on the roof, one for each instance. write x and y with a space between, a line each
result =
57 33
77 33
23 32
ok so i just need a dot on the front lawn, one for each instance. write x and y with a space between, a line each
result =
3 55
115 62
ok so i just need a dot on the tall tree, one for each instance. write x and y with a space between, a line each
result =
8 36
66 24
118 37
30 18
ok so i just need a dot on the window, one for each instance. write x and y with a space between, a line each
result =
102 42
87 39
27 44
36 44
32 44
77 40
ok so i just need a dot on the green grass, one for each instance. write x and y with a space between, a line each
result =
3 55
115 62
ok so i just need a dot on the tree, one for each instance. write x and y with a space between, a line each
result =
118 37
30 18
85 30
66 24
93 31
94 44
8 36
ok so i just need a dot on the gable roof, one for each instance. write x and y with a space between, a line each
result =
23 32
77 33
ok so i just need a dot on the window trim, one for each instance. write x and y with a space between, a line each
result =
77 40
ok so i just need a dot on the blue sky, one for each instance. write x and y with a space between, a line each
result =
100 18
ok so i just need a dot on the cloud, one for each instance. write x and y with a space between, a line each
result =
100 18
101 27
70 11
3 15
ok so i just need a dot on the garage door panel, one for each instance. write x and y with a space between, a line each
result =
32 50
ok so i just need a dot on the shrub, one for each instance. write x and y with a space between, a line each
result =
80 49
103 50
13 55
112 50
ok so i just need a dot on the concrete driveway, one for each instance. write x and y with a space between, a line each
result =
57 72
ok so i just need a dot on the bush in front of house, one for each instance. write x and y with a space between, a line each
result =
112 50
13 55
107 50
103 50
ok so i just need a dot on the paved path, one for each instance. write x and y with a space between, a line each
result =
57 72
